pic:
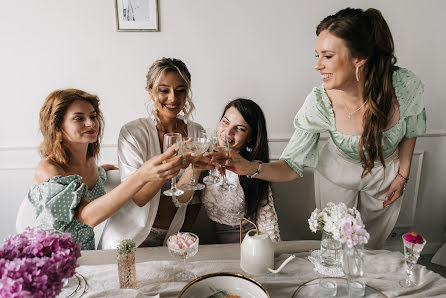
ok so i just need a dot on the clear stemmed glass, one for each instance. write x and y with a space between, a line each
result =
171 139
183 246
221 155
412 252
211 135
197 144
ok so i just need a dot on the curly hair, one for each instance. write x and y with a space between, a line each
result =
52 115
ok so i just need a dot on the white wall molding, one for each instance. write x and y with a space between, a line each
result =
27 157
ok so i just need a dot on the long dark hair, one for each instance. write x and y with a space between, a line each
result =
367 35
255 190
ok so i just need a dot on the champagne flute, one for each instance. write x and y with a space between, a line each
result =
221 155
171 139
212 178
197 144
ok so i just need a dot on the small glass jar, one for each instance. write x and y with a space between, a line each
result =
331 251
327 287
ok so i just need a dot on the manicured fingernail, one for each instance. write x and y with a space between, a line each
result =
387 198
206 154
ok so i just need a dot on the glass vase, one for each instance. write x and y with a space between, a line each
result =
127 270
353 267
331 254
412 252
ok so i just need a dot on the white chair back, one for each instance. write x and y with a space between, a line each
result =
113 180
26 216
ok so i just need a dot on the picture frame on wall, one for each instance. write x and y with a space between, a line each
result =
136 15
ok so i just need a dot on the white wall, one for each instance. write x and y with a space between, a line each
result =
259 49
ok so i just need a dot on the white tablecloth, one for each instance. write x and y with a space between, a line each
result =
155 269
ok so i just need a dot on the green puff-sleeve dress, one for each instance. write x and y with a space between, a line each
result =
316 116
55 201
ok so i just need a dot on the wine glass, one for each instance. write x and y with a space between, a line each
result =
412 252
183 246
212 178
221 155
197 143
171 139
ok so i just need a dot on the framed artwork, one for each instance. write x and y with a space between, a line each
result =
136 15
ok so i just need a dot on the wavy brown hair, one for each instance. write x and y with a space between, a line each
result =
368 36
52 115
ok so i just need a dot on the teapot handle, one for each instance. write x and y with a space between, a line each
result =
241 221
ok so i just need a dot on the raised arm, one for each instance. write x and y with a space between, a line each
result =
277 171
93 213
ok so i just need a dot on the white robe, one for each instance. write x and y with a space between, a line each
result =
138 141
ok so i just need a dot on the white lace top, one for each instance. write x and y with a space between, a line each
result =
229 207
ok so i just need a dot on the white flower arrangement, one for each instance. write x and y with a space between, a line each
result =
343 224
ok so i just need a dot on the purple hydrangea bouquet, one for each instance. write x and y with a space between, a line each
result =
35 263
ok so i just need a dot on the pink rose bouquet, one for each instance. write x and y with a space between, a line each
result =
34 263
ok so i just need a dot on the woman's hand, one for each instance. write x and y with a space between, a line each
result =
395 191
202 162
237 164
163 166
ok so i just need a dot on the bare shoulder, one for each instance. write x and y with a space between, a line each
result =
47 169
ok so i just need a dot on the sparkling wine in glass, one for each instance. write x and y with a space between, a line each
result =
171 139
183 246
221 155
211 135
196 144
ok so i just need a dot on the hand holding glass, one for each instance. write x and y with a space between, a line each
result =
196 144
171 139
211 135
221 155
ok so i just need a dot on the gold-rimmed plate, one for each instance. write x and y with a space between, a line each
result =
225 284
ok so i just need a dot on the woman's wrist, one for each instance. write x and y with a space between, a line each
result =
405 178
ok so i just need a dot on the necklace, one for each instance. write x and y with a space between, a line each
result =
351 113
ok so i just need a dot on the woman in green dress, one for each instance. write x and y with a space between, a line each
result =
68 187
373 111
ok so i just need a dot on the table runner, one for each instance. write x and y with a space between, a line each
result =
383 270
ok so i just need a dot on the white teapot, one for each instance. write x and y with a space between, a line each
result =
256 251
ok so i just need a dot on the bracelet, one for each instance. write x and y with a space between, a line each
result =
402 177
259 169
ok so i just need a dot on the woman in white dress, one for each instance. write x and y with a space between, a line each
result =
151 216
244 126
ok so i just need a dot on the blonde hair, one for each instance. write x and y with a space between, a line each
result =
159 68
52 115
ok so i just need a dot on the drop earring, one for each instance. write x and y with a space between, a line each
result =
357 73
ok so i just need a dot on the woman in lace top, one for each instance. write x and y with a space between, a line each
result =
244 125
373 112
68 188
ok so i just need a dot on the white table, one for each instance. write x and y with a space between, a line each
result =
155 269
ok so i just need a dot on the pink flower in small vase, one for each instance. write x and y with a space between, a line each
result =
414 238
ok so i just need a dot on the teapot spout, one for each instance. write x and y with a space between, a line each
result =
282 265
